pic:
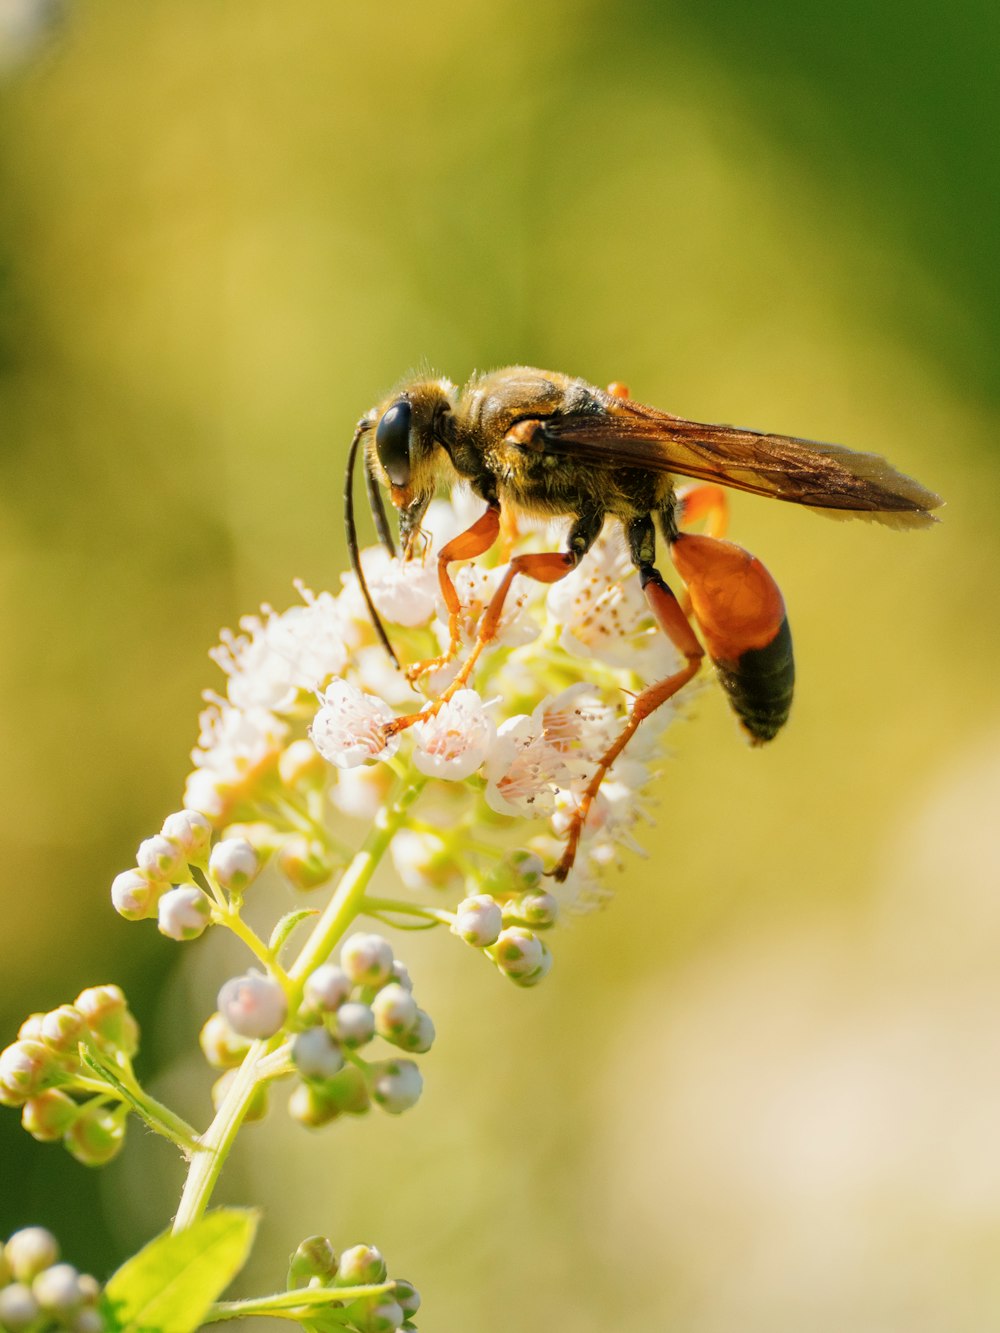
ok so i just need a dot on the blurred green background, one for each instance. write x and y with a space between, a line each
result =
762 1089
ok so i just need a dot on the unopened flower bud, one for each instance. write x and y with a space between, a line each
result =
395 1011
87 1321
304 861
135 894
326 988
312 1106
57 1290
518 872
48 1116
517 951
106 1014
184 914
191 831
401 974
63 1028
18 1308
30 1251
24 1068
258 1105
31 1028
478 920
353 1024
253 1005
301 766
536 909
420 1037
376 1314
361 1266
406 1294
162 858
96 1136
348 1091
234 863
396 1085
424 861
222 1047
314 1260
532 978
316 1054
367 959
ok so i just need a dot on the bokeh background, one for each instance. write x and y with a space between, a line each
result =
762 1089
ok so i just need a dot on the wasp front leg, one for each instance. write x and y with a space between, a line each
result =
543 567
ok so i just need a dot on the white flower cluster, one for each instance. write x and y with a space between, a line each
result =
521 743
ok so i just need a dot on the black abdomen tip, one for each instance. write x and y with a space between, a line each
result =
760 684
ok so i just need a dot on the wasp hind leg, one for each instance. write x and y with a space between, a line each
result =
674 623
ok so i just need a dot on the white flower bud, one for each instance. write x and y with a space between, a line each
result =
57 1289
396 1085
420 1037
30 1251
407 1296
376 1314
87 1321
220 1045
24 1067
367 959
361 1266
517 952
191 831
327 988
539 974
234 863
18 1308
537 909
400 973
316 1054
353 1024
253 1005
478 920
184 914
135 894
162 858
395 1011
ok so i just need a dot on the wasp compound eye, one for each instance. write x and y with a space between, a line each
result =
392 442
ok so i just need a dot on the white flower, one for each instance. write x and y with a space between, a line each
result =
475 587
349 728
405 592
454 742
234 746
523 770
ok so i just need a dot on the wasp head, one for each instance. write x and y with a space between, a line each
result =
406 450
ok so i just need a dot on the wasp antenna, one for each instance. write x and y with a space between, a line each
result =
352 539
378 512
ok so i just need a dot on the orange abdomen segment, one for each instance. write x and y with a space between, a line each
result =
741 614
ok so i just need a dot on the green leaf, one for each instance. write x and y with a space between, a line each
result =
169 1286
286 925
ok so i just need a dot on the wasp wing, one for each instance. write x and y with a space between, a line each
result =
839 481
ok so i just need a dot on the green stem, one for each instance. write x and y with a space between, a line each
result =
157 1116
288 1302
345 904
432 914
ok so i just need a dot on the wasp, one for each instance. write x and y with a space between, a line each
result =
544 444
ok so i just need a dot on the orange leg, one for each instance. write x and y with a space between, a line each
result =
673 622
704 502
544 567
466 546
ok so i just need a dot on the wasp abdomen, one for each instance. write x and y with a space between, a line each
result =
760 683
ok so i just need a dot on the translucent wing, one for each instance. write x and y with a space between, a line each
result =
823 476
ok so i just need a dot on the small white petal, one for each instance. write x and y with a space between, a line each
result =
348 729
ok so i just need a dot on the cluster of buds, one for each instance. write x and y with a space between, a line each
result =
504 922
53 1073
344 1007
38 1293
315 1265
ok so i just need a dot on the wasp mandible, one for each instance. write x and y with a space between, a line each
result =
544 444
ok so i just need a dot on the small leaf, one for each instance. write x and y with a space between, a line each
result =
285 926
170 1284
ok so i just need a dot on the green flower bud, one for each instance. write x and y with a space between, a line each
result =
314 1262
311 1105
420 1037
104 1011
48 1116
536 909
406 1296
517 952
96 1136
30 1251
25 1067
348 1091
222 1047
376 1314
